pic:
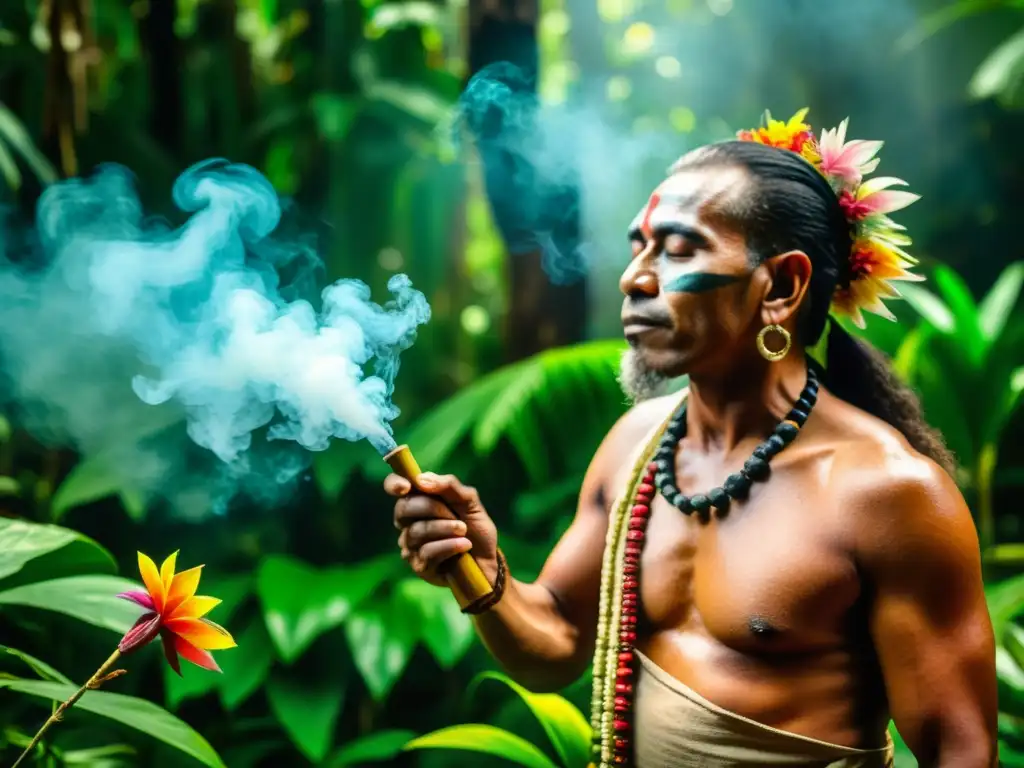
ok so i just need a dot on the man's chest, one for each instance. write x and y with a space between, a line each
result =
769 576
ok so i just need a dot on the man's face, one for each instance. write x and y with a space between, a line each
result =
689 305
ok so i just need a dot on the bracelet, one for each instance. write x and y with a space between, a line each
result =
497 591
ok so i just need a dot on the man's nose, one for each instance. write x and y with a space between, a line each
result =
639 279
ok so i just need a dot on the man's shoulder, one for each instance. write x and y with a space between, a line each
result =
630 431
895 499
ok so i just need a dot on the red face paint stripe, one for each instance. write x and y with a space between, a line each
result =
645 227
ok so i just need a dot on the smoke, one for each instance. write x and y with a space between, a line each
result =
117 323
650 82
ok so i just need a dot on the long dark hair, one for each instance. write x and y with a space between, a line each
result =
790 206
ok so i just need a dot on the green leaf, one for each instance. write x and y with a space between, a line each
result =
1005 602
300 602
420 103
332 468
91 599
335 114
109 756
13 133
112 471
436 435
9 486
388 16
444 629
954 291
563 723
381 636
41 668
142 715
246 667
1001 70
1000 301
307 711
930 307
373 748
485 739
21 542
904 758
194 683
1005 554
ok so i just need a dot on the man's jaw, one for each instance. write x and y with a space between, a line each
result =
638 381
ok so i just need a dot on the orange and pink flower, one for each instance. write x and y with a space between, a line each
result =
877 258
177 614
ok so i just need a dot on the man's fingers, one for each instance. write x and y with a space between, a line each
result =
433 553
412 508
449 489
423 531
396 485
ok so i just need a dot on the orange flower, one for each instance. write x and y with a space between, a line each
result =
794 135
176 613
873 267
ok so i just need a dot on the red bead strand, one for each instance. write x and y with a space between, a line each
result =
640 514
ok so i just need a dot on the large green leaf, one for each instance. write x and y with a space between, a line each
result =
308 710
22 542
381 636
485 739
193 683
930 307
436 435
999 302
957 296
246 667
41 668
563 723
1001 71
372 748
301 602
142 715
112 471
443 628
333 467
89 598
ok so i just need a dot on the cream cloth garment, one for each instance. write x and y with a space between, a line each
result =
675 727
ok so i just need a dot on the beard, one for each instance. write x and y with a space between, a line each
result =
640 382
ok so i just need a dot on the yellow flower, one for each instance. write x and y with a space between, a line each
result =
176 613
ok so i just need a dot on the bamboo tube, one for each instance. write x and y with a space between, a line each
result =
465 579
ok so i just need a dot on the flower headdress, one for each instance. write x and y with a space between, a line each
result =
877 258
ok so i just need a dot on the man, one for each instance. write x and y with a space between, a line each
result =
745 614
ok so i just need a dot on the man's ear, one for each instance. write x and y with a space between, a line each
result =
789 278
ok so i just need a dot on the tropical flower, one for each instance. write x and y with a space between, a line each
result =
176 613
849 161
794 134
877 258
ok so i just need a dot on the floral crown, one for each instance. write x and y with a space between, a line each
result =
877 257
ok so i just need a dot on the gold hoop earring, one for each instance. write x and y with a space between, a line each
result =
768 354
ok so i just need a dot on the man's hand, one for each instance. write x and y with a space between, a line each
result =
435 527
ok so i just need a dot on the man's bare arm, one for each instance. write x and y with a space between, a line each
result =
918 549
543 633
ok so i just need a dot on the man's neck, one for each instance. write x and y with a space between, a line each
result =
747 402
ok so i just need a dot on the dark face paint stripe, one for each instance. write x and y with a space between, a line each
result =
698 282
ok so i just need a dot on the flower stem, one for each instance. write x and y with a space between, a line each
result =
92 683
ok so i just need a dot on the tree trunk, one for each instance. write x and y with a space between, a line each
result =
163 51
534 211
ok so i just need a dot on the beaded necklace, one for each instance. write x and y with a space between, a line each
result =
615 662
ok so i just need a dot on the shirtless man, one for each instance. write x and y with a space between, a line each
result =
842 590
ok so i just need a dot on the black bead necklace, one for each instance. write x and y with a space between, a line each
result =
737 485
